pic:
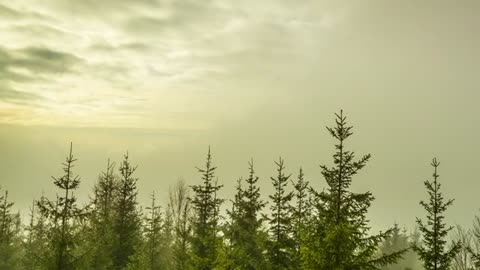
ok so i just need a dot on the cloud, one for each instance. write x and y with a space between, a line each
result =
20 68
11 95
26 64
6 12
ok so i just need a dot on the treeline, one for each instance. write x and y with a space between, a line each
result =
298 227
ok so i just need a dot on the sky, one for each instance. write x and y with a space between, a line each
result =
166 79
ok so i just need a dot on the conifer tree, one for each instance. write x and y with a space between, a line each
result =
101 232
35 246
62 214
345 242
205 221
153 229
397 240
31 256
127 219
9 235
300 214
247 240
434 253
281 244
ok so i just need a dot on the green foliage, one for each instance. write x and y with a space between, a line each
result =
342 225
127 218
100 235
300 213
302 229
62 215
206 217
9 235
244 232
281 245
434 252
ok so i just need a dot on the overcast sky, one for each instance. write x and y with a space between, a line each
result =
164 79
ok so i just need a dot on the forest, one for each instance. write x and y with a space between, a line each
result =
298 227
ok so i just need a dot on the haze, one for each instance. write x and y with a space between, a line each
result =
252 79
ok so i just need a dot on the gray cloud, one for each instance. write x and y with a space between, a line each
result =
15 96
36 60
6 12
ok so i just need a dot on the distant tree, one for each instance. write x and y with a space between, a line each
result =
127 219
101 236
474 249
205 204
396 241
345 242
462 260
9 235
434 252
153 231
62 215
281 245
300 214
180 210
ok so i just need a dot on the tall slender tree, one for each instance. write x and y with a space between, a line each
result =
62 214
9 235
205 205
281 244
345 241
153 230
101 236
246 237
434 252
300 214
127 219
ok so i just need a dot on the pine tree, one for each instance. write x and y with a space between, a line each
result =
101 235
345 242
35 246
30 260
9 235
127 219
434 252
245 234
62 214
281 244
397 240
153 228
205 223
179 208
300 214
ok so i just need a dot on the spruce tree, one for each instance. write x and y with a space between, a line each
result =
62 215
35 246
247 240
101 233
345 243
9 235
205 221
281 245
300 214
397 240
434 253
152 230
127 219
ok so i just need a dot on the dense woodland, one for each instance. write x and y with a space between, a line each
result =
298 227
